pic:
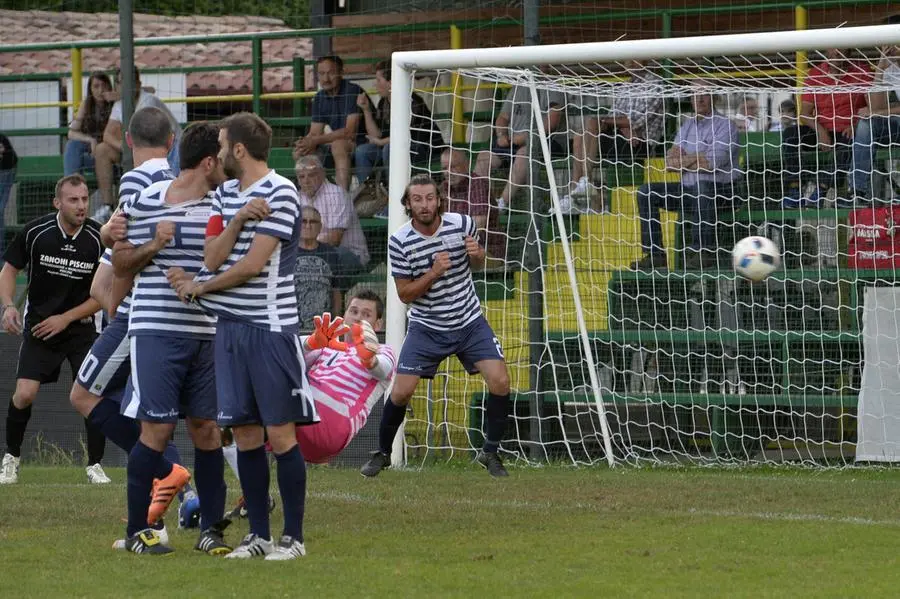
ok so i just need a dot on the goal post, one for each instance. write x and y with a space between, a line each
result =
688 364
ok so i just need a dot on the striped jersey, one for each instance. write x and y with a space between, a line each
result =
135 181
451 302
268 300
155 307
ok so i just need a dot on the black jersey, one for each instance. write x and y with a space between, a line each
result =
60 267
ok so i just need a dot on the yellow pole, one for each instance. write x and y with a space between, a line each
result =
459 126
77 86
801 22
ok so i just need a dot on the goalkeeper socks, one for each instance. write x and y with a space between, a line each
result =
209 476
230 452
255 486
292 486
96 443
16 421
497 414
121 430
143 462
391 418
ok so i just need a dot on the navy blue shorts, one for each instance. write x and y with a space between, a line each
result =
425 348
170 377
260 377
104 371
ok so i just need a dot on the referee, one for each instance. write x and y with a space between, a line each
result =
61 252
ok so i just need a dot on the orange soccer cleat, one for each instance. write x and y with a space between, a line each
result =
165 490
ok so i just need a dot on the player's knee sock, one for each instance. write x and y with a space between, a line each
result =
209 476
171 454
391 418
230 453
497 412
96 443
255 486
142 463
16 421
121 430
292 486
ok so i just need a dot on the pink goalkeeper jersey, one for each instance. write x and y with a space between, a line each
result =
345 393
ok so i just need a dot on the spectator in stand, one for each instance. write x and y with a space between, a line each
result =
705 152
880 125
340 224
512 132
334 105
748 118
424 132
796 139
316 275
86 130
628 134
833 115
470 194
8 162
108 152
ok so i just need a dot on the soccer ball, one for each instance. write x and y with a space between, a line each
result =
755 258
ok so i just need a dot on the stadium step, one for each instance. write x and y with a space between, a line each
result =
730 424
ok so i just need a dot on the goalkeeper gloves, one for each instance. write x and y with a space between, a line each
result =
366 343
327 333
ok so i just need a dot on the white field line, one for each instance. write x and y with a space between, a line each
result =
356 498
589 507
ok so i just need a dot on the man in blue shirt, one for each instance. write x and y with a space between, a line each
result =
334 105
705 152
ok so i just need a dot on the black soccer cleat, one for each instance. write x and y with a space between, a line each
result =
212 540
378 462
491 462
147 542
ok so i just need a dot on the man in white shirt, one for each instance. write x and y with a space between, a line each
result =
340 223
109 151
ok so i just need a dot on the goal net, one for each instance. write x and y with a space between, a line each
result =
611 181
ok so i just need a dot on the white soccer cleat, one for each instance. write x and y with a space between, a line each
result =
96 475
581 188
287 548
251 546
9 471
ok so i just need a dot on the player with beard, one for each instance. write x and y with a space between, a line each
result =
432 258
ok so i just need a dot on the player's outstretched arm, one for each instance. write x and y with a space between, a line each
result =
129 260
220 240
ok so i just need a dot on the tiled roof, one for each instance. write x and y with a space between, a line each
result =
20 27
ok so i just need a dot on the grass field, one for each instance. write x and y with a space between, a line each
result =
450 531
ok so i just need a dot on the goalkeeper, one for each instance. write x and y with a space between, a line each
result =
346 377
